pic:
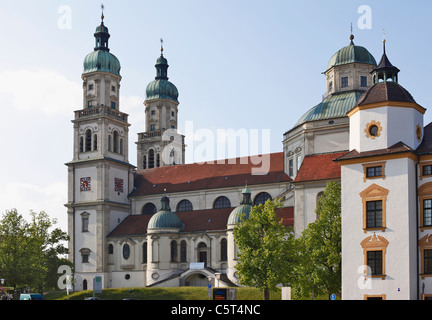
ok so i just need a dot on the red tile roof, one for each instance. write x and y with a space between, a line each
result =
319 167
199 220
399 147
220 174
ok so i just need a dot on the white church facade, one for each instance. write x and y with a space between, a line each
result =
164 223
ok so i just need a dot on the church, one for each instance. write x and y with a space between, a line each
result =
166 223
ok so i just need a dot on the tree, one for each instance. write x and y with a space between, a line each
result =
264 245
13 249
318 266
29 252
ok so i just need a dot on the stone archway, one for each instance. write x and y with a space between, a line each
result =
196 278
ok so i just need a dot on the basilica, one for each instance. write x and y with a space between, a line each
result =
166 223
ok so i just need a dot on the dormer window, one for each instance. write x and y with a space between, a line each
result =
344 82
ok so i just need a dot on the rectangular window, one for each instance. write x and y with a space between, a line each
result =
85 224
113 89
363 81
344 82
85 258
374 214
375 262
427 256
290 167
113 105
374 172
427 213
427 170
90 87
152 127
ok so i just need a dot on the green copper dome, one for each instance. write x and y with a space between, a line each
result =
101 59
350 54
165 218
161 88
243 210
333 106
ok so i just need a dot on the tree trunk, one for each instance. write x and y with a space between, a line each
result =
266 294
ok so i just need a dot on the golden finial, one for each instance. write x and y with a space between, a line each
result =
161 41
102 7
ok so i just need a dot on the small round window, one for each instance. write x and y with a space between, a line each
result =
126 251
373 130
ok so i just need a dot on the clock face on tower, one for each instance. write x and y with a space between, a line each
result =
118 185
85 184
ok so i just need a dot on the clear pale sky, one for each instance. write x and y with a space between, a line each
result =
238 64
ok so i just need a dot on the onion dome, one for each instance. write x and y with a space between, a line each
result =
101 59
351 54
161 88
242 211
165 218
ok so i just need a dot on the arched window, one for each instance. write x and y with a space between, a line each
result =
157 160
88 136
144 162
149 208
84 284
95 142
202 253
126 251
121 146
184 205
261 198
173 251
110 249
183 254
221 202
115 141
151 156
223 250
109 143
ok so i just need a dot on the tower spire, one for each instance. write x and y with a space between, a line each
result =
102 8
102 35
351 36
385 70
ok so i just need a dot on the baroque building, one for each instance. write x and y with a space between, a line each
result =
167 223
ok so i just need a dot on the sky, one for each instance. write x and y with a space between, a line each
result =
238 65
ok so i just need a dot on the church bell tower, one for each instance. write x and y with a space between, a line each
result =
160 145
100 176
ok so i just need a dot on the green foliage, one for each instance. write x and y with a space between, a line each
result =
29 251
318 258
265 248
